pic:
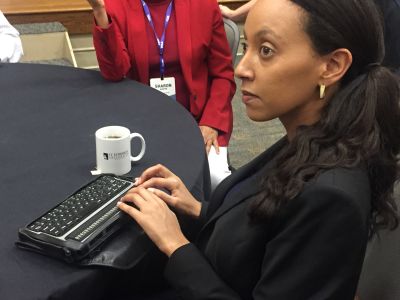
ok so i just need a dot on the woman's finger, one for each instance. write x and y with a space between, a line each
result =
151 198
162 183
154 171
134 198
216 145
208 146
170 200
156 182
172 183
132 211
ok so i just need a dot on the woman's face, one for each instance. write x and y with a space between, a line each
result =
280 71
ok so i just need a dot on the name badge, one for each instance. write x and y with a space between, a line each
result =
166 85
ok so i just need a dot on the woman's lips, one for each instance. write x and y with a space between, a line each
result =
248 97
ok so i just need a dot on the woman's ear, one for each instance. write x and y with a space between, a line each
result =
336 65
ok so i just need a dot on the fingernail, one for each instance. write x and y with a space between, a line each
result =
151 190
136 181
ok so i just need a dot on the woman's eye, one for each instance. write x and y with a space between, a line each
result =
265 51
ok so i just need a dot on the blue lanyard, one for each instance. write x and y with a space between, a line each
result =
161 41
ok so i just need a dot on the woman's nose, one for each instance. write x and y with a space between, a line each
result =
243 70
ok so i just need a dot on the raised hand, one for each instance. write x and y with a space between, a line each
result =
99 12
96 4
226 11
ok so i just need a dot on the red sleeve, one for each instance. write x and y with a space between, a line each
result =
111 51
218 110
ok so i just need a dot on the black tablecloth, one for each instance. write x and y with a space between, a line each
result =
49 115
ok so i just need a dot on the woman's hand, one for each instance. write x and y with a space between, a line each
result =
159 177
96 4
238 14
226 11
210 136
156 219
99 12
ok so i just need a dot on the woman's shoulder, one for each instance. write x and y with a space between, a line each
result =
338 187
336 200
349 180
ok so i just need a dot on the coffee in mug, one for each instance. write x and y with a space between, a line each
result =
113 150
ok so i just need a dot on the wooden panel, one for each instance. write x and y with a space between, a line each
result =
75 15
75 22
40 6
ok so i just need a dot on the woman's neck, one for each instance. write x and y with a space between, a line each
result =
307 116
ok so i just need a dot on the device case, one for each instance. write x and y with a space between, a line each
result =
123 250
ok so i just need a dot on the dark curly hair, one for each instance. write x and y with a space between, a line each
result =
359 125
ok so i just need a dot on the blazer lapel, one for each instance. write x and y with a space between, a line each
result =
217 205
183 32
137 24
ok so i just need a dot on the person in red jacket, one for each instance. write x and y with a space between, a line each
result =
182 43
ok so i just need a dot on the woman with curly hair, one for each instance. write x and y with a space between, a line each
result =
294 222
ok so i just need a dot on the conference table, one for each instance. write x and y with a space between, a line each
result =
48 118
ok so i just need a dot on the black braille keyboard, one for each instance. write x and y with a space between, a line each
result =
81 213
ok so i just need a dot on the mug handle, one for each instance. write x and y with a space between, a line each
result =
140 155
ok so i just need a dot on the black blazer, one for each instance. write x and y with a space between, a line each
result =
314 250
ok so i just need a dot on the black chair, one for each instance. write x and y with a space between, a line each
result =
380 276
233 36
232 33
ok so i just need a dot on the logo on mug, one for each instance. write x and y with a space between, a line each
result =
115 156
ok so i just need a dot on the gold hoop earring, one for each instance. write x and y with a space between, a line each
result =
321 91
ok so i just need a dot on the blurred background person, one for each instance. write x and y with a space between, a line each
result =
10 42
182 43
238 14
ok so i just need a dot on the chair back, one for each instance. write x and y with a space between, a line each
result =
232 33
380 276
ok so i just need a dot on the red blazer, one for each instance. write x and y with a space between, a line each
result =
122 51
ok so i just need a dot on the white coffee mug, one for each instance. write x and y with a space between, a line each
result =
113 150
